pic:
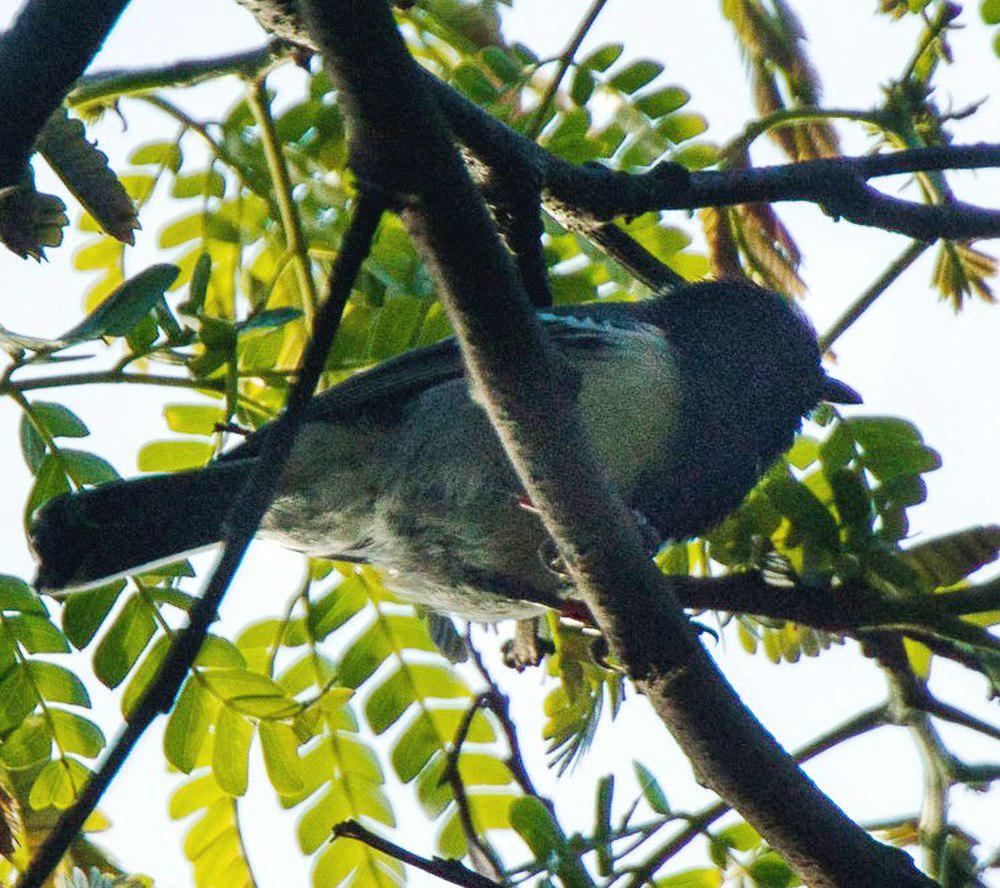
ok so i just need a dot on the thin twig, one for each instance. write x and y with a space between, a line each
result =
291 222
449 870
878 287
933 824
497 702
565 59
111 376
103 85
243 519
483 857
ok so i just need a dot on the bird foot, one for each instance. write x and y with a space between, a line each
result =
527 647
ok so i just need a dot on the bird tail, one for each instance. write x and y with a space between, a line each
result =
91 535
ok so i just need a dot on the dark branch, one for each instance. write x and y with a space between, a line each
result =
449 870
698 823
483 857
46 49
497 702
243 520
592 194
398 140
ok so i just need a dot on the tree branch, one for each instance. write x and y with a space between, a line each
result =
243 519
697 824
483 857
449 870
32 81
398 140
565 59
497 702
865 301
186 72
592 194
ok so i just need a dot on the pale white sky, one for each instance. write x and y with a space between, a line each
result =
910 356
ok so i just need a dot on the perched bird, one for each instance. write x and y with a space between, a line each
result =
688 398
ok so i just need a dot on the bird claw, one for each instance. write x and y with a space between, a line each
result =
527 648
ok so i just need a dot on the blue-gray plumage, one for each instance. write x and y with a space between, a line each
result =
688 398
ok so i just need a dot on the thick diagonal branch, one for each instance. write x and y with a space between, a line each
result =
400 141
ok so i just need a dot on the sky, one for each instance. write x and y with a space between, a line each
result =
910 356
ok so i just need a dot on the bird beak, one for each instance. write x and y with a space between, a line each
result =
837 392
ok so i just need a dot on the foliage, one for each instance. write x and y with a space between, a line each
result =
345 685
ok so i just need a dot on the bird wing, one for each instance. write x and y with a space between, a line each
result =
390 383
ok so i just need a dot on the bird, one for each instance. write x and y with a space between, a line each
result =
688 397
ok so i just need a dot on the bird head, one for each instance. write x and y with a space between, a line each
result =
752 358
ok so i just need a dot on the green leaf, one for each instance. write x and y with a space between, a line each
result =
29 744
502 63
174 455
142 676
271 318
651 790
198 288
533 823
50 481
57 684
181 231
471 80
231 751
702 877
489 811
207 183
58 421
17 695
193 419
17 595
808 515
770 871
635 76
194 795
415 746
124 642
32 445
411 682
74 733
87 468
603 57
51 787
582 86
129 304
188 725
36 634
681 127
696 156
251 693
662 101
83 612
281 759
740 836
165 154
